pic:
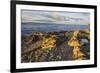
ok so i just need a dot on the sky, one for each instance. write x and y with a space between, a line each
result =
56 17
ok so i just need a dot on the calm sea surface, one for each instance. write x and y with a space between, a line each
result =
27 28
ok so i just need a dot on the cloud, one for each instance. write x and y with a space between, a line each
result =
55 17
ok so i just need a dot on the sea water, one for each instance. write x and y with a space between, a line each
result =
28 28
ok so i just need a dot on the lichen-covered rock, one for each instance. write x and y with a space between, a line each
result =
55 46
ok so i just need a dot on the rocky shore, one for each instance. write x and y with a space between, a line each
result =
55 46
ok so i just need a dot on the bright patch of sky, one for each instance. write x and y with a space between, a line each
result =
56 17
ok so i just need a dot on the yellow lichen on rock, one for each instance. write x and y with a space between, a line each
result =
49 43
73 42
75 34
87 33
77 54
